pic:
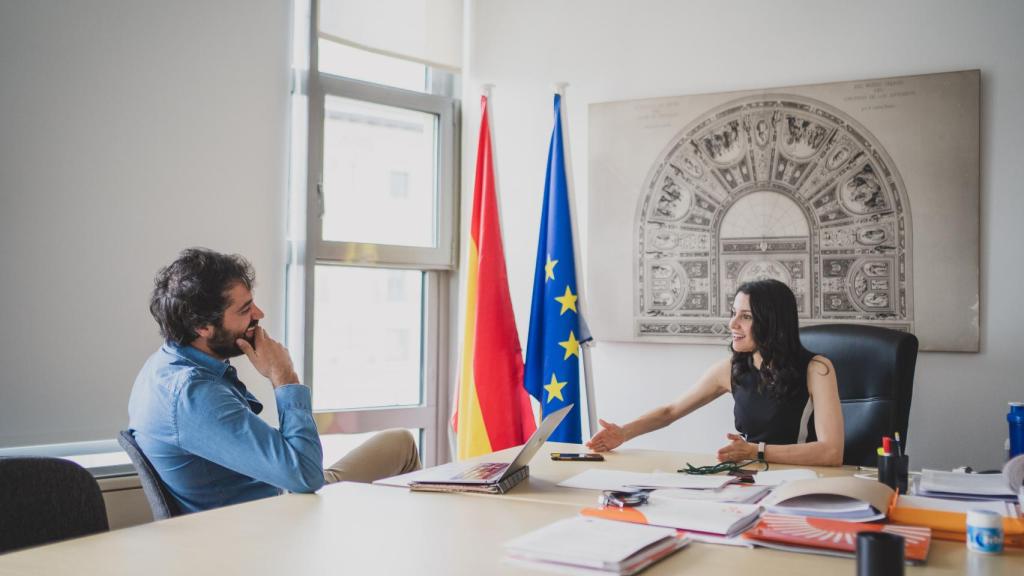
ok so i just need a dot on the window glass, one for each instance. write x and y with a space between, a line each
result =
379 174
367 334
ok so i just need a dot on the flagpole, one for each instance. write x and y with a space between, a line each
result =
589 341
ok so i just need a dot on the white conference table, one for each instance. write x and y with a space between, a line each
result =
545 474
361 529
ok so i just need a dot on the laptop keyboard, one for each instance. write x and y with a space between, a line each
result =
483 471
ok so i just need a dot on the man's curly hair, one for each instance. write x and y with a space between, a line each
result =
192 291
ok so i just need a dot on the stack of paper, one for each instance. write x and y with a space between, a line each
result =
715 518
1001 507
599 479
596 545
965 486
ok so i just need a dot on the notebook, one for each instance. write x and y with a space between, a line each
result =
832 537
843 498
717 518
489 477
588 545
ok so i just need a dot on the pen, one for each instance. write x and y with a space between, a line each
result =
899 445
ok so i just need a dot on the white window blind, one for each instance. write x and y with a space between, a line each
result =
425 31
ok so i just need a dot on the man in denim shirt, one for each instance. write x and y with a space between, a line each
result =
196 421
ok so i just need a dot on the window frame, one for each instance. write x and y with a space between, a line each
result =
308 250
440 257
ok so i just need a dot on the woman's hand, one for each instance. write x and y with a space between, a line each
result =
608 439
737 450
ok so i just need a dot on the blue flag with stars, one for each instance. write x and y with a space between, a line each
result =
556 328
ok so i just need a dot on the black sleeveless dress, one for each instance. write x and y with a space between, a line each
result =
762 418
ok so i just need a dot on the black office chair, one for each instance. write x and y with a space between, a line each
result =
875 370
160 500
44 500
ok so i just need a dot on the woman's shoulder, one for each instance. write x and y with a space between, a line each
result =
819 365
721 373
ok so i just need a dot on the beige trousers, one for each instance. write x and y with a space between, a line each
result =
388 453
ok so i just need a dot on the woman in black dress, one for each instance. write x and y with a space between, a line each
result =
786 398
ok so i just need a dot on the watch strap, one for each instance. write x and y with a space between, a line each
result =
760 451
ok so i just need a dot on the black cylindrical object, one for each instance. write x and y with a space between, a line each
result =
880 554
888 470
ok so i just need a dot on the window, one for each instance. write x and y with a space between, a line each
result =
373 231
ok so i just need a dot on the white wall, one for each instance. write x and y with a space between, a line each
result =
616 50
128 131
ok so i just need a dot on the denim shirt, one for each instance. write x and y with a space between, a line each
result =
198 425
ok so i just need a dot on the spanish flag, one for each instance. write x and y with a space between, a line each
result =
493 410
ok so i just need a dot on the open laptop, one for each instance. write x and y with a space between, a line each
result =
492 477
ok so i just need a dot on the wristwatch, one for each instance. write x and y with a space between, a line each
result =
760 451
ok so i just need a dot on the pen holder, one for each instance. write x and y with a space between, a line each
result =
893 471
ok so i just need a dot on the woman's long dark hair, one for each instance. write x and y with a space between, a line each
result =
776 333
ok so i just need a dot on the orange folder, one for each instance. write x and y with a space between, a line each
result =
947 525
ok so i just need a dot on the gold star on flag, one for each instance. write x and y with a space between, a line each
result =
572 346
568 301
549 269
555 388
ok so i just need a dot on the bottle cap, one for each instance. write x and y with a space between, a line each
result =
984 519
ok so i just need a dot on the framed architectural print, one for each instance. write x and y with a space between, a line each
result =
861 196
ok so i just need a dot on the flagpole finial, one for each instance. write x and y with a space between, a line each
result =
486 89
560 87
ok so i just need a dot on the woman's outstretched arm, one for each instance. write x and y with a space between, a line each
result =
712 384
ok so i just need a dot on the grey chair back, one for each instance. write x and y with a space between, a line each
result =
875 371
160 500
44 500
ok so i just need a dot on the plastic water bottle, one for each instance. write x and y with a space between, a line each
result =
1016 420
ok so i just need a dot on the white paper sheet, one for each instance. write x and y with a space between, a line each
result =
779 477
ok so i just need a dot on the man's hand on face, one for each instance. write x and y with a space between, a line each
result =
270 358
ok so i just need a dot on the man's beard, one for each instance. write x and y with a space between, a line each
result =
222 343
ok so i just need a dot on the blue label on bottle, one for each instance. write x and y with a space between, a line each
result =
988 540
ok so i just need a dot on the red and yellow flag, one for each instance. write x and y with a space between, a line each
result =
493 410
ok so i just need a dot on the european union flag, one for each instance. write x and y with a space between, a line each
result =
556 327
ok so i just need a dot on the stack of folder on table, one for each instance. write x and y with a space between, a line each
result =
592 545
944 498
948 518
831 537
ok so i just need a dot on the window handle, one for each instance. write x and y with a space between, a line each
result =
320 197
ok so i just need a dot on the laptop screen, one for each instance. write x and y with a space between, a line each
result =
537 439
